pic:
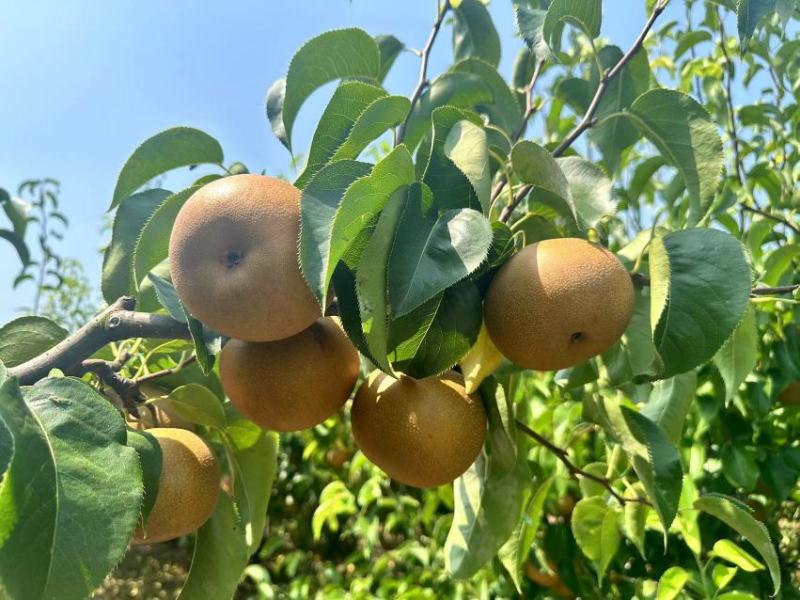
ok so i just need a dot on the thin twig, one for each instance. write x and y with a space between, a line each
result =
422 82
530 110
770 291
117 322
588 119
166 372
732 133
772 217
574 470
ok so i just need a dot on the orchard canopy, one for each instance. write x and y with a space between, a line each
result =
532 334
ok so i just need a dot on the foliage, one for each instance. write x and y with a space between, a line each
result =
666 467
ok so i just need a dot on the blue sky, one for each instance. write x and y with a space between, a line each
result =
84 82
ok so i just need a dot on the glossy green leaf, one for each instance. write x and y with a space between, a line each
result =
595 527
348 102
170 149
149 451
25 338
488 501
474 34
687 138
586 15
432 338
254 455
390 48
748 15
431 254
739 465
739 354
737 516
72 495
536 166
319 204
359 210
330 56
727 550
722 575
19 245
695 304
530 25
198 404
377 118
503 111
634 522
167 296
220 555
132 214
778 263
671 583
669 403
460 90
152 247
589 187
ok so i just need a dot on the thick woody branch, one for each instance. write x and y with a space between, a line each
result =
588 119
117 322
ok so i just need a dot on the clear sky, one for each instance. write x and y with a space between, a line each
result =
84 82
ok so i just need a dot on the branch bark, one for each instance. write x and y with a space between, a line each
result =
117 322
588 119
772 217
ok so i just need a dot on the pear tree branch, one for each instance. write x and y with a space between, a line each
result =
588 119
116 323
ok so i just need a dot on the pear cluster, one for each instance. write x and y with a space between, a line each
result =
233 261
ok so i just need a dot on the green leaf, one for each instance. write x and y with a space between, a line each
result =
488 501
634 523
589 187
27 337
456 164
613 135
671 583
19 245
149 451
371 276
687 138
536 166
740 466
198 404
586 15
778 262
360 208
254 455
596 531
378 117
474 33
431 254
332 55
530 25
319 204
348 102
737 516
71 497
201 336
167 296
504 111
170 149
722 575
748 15
696 302
152 247
390 48
669 403
727 550
434 337
459 90
220 555
514 553
738 356
132 214
590 487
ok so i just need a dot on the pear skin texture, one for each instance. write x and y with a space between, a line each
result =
187 489
291 384
790 396
421 432
233 259
165 413
558 303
